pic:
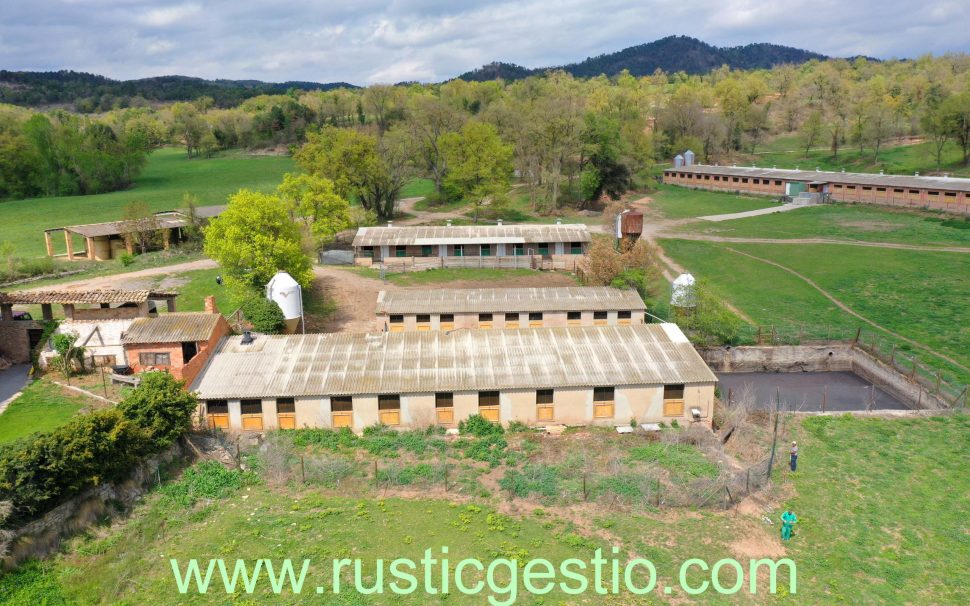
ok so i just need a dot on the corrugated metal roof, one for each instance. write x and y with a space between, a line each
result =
166 219
72 297
418 235
460 360
486 300
904 181
172 328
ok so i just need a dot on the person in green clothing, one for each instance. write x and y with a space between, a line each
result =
788 520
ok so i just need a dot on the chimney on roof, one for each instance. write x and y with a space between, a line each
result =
390 224
558 220
448 223
210 305
500 223
247 338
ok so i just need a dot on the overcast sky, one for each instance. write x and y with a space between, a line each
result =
367 41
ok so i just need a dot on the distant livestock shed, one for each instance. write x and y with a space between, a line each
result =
610 376
556 246
948 194
498 308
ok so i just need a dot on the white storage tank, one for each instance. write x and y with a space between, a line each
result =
688 158
682 294
283 289
678 161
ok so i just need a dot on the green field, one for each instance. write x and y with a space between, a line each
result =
881 507
920 295
845 222
787 151
41 407
167 177
682 203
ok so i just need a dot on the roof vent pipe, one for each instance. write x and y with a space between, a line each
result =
390 224
448 223
500 223
247 338
558 220
818 170
917 173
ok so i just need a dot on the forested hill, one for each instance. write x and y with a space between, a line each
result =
89 92
670 54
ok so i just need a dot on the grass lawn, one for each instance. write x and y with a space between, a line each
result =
845 222
682 203
787 152
921 295
881 507
194 286
41 407
167 177
417 187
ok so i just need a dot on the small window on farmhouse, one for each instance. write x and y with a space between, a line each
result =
389 409
342 403
673 392
367 251
488 398
486 250
400 251
286 406
777 181
898 190
951 194
512 317
717 177
446 318
600 315
251 407
734 179
880 189
424 318
189 350
535 316
575 248
744 180
933 193
518 249
866 188
544 396
217 407
427 251
624 315
459 250
755 181
397 319
574 315
602 394
707 177
150 358
444 400
914 191
852 187
484 317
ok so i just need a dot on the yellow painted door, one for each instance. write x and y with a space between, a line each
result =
491 413
286 420
623 321
544 412
601 322
424 327
391 417
218 421
673 408
342 419
446 416
252 422
603 410
574 322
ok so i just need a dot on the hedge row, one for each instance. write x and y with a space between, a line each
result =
41 471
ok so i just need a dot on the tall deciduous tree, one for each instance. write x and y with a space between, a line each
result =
313 201
479 165
254 238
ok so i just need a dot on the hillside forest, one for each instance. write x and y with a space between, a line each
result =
569 141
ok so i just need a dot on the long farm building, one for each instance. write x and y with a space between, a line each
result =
948 194
571 376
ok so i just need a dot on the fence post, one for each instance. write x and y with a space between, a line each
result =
375 474
658 492
892 355
302 469
585 494
858 333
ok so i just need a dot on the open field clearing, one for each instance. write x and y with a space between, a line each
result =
846 494
167 177
919 295
41 407
674 202
845 222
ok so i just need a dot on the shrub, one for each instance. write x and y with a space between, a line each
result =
160 406
264 315
126 259
325 438
489 449
540 479
517 427
207 480
477 425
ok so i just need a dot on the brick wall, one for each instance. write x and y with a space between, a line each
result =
178 367
15 341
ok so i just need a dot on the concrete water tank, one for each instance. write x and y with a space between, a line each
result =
688 158
678 161
283 289
682 293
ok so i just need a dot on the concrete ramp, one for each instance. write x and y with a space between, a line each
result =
756 213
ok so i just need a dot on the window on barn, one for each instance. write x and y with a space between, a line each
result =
544 405
933 193
397 323
574 318
217 414
898 190
600 318
389 409
459 250
543 248
488 405
575 248
512 320
950 194
914 192
342 411
485 321
252 414
673 400
866 188
518 249
444 408
535 319
153 358
367 252
447 321
427 251
286 413
880 189
623 318
486 250
777 181
189 351
400 251
424 321
602 402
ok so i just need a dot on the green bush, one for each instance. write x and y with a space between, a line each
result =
325 438
488 449
517 427
207 480
264 315
477 425
539 479
39 472
126 259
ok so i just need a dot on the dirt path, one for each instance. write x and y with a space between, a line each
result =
406 205
848 309
134 280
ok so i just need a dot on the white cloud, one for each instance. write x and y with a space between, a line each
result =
163 17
